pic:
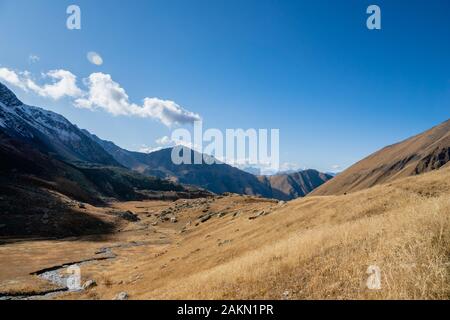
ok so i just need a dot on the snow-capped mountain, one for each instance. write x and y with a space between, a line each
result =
49 131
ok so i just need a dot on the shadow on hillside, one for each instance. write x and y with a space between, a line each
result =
27 212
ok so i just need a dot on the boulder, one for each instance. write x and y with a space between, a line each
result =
129 216
205 218
121 296
89 284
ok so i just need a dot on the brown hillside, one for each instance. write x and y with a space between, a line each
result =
288 186
427 151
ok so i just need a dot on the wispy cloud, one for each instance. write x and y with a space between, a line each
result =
290 166
147 149
169 142
62 83
164 141
336 168
101 92
13 78
32 58
95 58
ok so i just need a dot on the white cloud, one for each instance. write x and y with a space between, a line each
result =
336 168
264 167
12 77
167 111
164 141
106 94
102 93
62 83
146 149
169 142
95 58
32 58
289 166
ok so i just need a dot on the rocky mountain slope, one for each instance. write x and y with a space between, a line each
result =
54 136
44 158
219 177
422 153
48 131
44 144
294 185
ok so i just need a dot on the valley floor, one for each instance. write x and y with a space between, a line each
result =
239 247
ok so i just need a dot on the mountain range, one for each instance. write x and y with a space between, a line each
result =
44 147
46 143
217 177
43 143
111 171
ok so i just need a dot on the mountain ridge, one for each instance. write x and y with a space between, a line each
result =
56 136
218 177
424 152
50 131
47 148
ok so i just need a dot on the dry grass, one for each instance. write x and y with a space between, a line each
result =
411 248
326 255
311 248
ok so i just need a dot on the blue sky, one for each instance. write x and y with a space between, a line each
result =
336 90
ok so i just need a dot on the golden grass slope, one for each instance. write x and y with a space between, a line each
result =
312 248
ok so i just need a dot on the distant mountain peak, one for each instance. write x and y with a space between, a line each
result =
219 177
8 98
